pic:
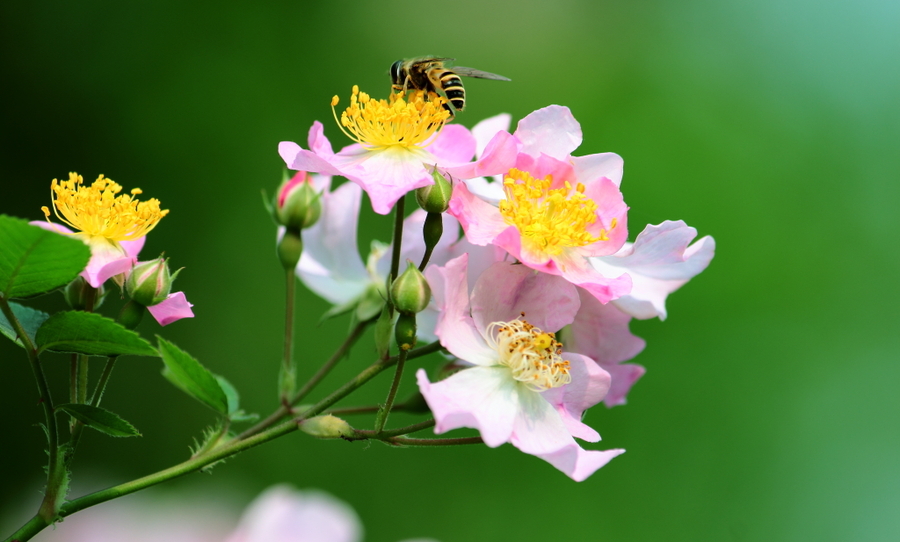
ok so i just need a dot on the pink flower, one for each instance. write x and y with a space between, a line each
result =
554 211
659 262
107 259
522 388
601 332
282 514
396 142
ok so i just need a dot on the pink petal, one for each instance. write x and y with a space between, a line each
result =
589 385
483 398
498 157
579 272
330 264
552 131
539 430
385 174
594 166
659 262
610 207
453 145
481 221
174 307
455 327
505 290
485 130
300 159
317 141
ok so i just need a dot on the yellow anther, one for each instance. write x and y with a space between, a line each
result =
533 356
97 210
550 220
407 121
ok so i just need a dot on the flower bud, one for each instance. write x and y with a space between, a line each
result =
410 293
435 198
326 426
405 331
78 291
150 282
297 204
290 247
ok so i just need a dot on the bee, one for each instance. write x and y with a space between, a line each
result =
429 74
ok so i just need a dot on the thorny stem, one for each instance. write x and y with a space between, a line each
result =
47 511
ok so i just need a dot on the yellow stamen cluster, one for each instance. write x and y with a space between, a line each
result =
98 211
533 356
551 220
410 121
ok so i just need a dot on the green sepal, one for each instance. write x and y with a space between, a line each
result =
35 261
187 374
30 319
90 334
100 419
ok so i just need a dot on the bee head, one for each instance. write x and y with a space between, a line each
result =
396 77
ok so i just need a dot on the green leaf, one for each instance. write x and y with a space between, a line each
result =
90 334
235 414
36 261
192 378
100 419
31 320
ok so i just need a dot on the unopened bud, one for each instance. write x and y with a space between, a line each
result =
297 204
150 282
405 331
435 198
326 426
410 293
290 247
78 292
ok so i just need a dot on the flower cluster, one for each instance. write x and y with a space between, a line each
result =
534 302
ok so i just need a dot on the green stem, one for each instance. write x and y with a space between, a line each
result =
362 434
104 378
284 409
288 378
383 414
399 211
423 442
47 511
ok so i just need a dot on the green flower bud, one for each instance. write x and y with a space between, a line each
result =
77 291
150 282
131 314
410 293
405 331
297 204
326 426
290 247
435 198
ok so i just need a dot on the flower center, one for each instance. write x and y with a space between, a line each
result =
407 122
97 211
532 355
551 220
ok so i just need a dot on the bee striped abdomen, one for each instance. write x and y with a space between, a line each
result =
453 88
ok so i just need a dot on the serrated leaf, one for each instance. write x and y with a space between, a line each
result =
31 320
191 377
35 261
231 394
90 334
100 419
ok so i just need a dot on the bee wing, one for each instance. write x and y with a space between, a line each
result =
472 72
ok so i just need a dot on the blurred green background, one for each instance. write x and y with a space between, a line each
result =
769 410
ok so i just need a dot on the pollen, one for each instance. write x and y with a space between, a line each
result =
532 355
549 219
99 210
409 121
